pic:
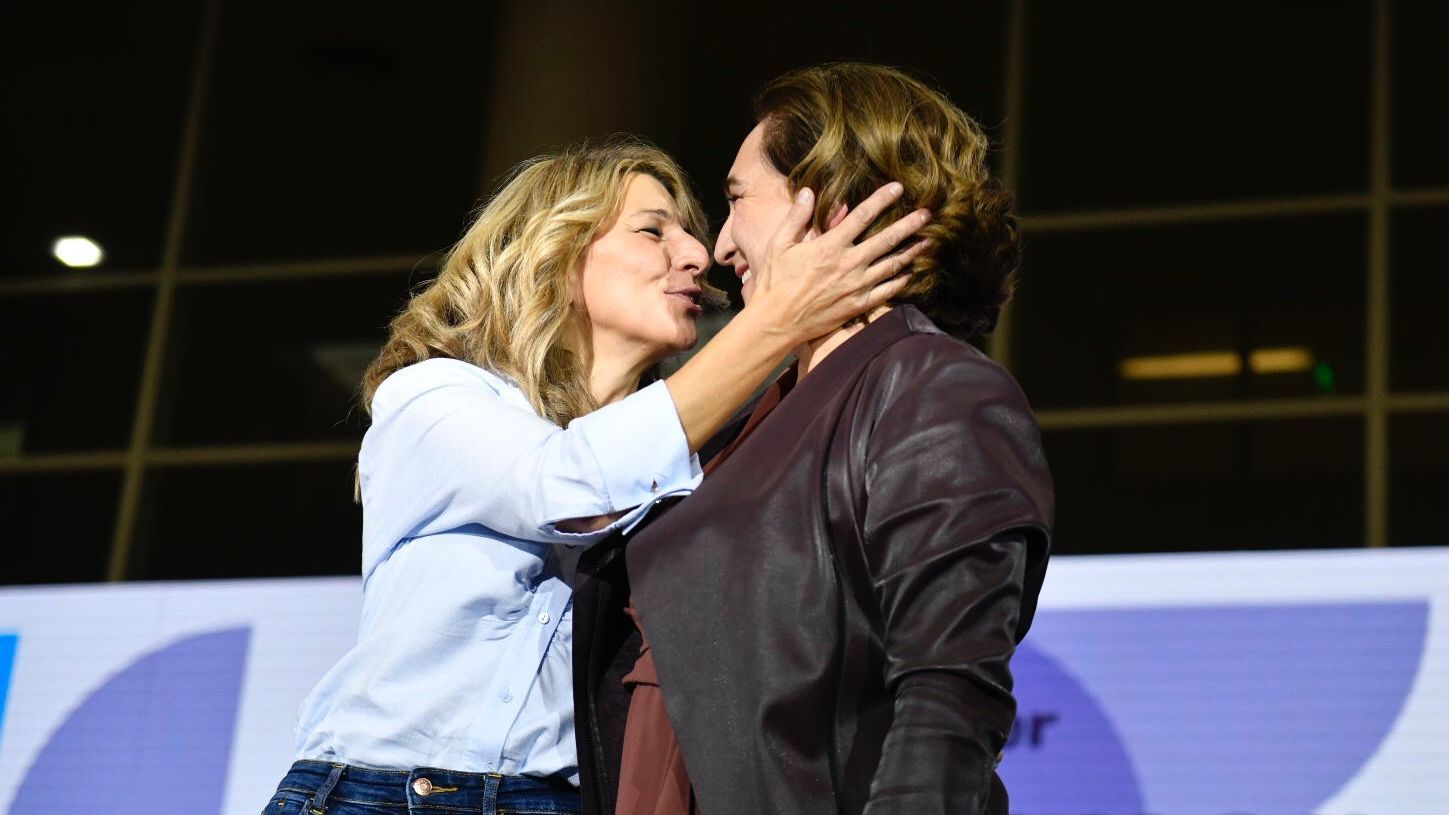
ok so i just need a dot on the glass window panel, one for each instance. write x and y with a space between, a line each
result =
95 107
1221 311
1287 484
1419 479
263 520
1421 119
58 526
1420 300
274 361
341 129
1141 102
72 369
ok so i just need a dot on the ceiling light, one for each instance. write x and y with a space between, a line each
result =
77 251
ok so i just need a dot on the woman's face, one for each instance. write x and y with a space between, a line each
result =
759 199
639 282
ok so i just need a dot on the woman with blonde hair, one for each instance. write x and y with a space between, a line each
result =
506 418
827 623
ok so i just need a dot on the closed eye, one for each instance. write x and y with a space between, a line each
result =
652 230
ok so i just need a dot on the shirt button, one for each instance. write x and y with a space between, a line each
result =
506 696
543 618
423 787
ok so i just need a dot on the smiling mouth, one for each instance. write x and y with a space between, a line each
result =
746 274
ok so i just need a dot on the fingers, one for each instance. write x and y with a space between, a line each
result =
883 293
888 267
889 238
864 215
837 214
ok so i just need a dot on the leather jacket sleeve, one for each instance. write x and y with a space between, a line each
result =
954 530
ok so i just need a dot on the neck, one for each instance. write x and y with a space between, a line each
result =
812 353
615 374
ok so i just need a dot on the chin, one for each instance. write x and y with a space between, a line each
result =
674 347
684 346
683 343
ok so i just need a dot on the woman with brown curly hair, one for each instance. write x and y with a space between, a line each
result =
832 614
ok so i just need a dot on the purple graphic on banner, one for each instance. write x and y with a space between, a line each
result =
1062 733
1268 710
155 737
8 644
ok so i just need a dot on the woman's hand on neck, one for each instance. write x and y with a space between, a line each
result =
812 353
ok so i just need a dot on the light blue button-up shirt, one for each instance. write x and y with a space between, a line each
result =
463 655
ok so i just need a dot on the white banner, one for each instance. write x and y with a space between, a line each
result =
1281 683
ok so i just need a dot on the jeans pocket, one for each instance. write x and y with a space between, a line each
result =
541 803
287 802
343 807
290 803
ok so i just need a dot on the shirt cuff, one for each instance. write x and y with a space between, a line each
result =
642 453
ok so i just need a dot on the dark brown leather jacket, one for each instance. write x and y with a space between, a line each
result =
833 612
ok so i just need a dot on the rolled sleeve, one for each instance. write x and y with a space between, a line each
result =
453 445
641 450
957 524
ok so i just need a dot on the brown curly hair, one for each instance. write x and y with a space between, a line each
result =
844 129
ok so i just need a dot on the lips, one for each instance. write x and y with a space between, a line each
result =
690 296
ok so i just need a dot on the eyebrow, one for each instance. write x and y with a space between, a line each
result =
662 213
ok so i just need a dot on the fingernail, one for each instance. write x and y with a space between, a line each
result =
896 188
804 196
925 215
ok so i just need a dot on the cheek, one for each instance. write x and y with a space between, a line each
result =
605 286
609 298
745 233
624 294
759 225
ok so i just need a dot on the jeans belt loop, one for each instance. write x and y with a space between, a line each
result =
318 804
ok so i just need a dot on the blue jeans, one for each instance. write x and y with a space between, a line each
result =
318 788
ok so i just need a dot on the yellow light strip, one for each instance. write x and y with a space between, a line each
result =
1206 364
1183 366
1280 360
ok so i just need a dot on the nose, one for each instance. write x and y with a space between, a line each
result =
724 245
692 257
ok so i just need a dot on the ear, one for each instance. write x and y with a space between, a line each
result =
837 214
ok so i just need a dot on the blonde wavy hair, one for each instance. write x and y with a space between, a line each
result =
844 129
504 299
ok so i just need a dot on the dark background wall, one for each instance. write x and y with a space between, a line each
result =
268 180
